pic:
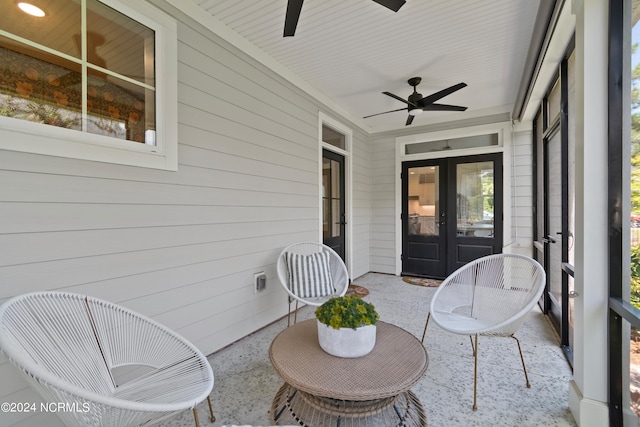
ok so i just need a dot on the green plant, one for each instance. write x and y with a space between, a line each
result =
347 312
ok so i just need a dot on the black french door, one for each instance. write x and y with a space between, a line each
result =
333 202
424 218
451 213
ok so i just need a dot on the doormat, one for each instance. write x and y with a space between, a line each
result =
357 291
421 281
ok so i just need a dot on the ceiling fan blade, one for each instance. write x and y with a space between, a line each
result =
399 99
409 120
392 111
441 94
443 107
293 14
394 5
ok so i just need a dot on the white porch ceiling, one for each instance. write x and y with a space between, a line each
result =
352 51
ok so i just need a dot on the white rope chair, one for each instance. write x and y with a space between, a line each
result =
113 366
490 296
339 277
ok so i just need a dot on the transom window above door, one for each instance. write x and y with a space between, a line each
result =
474 141
333 137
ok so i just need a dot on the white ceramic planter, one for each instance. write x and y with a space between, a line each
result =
347 342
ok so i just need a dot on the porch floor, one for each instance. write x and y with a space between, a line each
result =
245 382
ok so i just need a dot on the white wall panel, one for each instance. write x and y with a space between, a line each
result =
383 238
522 193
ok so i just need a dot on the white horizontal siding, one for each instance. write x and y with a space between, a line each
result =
361 204
522 194
181 247
383 238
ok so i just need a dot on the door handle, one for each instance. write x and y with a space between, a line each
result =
548 239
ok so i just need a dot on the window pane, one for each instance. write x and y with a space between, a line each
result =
119 44
634 222
571 117
488 140
59 29
540 179
474 199
121 110
333 137
553 103
631 394
39 87
554 212
631 391
423 203
331 198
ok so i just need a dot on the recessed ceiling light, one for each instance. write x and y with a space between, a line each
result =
31 9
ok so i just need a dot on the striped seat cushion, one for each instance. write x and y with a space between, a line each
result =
309 275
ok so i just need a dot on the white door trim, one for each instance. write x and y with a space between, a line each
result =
324 119
504 146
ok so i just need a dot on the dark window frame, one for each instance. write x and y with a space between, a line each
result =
551 126
619 309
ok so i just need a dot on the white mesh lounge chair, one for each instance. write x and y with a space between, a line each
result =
117 367
311 273
490 296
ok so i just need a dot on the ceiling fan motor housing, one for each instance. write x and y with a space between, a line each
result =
415 98
414 81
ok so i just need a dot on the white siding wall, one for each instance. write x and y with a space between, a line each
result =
180 247
361 204
383 237
522 202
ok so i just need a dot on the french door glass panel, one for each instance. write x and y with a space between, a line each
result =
423 201
475 199
331 198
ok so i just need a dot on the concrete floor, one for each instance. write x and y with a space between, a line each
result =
245 382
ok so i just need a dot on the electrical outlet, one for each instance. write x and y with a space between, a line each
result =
259 282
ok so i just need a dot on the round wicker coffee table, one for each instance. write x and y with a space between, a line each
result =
324 390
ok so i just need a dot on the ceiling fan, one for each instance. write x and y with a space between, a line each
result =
416 103
295 6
